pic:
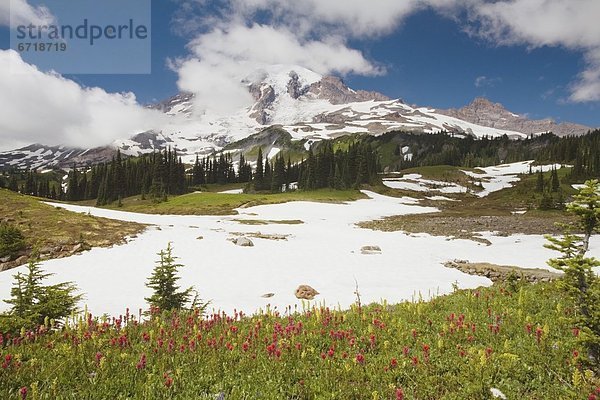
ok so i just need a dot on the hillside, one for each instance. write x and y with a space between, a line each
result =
55 232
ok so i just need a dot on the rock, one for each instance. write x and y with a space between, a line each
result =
243 241
267 295
5 259
46 250
77 248
370 250
21 260
306 292
200 238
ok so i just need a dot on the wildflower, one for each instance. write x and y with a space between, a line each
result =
399 394
23 392
576 332
538 334
360 358
168 380
415 361
393 363
99 357
142 363
331 352
245 346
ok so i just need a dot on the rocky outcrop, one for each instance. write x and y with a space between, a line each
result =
485 113
335 90
500 273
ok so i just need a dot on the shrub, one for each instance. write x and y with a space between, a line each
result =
11 240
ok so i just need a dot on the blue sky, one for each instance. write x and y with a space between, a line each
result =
439 53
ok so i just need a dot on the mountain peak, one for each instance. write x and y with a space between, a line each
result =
482 111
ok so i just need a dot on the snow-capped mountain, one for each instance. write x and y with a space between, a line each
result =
303 103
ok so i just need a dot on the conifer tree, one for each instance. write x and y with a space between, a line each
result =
580 281
33 302
539 187
163 282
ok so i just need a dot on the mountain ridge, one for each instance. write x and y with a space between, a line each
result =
305 104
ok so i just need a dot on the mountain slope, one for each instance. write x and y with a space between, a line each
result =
485 113
301 102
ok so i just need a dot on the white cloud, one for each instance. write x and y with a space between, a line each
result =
38 107
536 23
19 12
484 81
349 17
221 58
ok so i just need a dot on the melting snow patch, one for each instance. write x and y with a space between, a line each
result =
503 176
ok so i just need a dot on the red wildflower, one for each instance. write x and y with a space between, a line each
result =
399 394
142 363
23 392
99 356
538 334
331 352
393 363
168 380
576 332
360 358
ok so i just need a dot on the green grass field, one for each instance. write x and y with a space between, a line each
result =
213 203
45 226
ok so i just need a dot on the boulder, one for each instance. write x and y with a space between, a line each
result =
267 295
243 241
21 260
5 259
306 292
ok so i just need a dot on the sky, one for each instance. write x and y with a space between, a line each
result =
540 58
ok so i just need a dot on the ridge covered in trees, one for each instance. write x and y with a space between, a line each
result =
341 163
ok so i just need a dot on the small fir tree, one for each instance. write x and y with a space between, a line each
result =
33 302
163 281
580 281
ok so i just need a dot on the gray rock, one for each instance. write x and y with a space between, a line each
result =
243 242
5 259
370 250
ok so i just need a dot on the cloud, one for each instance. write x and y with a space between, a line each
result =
537 23
38 107
220 59
484 81
19 12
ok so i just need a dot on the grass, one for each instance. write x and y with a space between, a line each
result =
211 203
515 338
268 221
45 226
